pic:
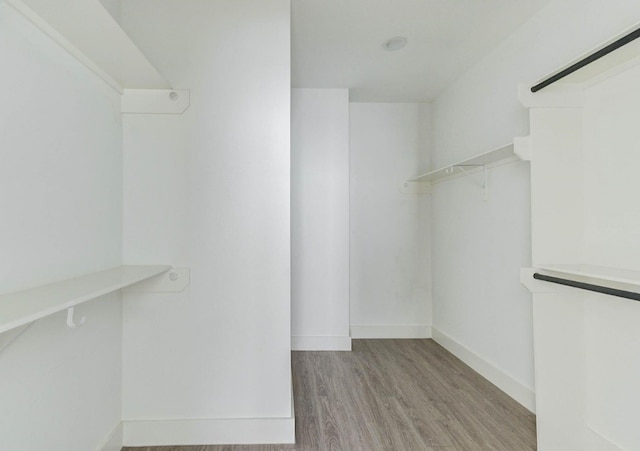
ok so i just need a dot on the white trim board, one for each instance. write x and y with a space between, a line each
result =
245 431
597 442
320 343
114 441
505 382
391 331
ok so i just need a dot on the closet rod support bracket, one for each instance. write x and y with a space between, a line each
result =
71 323
464 168
173 281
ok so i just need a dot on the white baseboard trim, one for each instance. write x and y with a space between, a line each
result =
239 431
597 442
114 441
505 382
395 331
318 343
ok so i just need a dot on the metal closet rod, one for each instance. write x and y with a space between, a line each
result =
589 287
588 60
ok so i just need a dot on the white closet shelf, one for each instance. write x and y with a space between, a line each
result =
565 87
611 64
501 155
23 307
599 274
87 31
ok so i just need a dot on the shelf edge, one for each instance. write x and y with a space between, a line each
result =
426 177
29 318
591 272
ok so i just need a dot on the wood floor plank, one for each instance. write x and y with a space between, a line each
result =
395 395
307 434
305 387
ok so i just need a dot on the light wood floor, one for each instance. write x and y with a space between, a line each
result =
396 395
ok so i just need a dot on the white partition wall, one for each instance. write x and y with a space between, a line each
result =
390 239
61 203
210 190
320 219
478 112
585 222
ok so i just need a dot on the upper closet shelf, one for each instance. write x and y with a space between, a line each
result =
501 155
565 87
23 307
86 30
607 59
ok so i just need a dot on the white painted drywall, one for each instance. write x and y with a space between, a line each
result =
61 198
320 219
480 110
390 248
210 190
584 193
611 137
609 346
478 247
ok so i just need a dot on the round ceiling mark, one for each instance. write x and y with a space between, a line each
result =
395 43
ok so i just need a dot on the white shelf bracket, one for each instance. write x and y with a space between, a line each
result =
462 167
71 323
522 147
155 101
173 281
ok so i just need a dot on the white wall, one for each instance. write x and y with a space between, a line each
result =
320 219
610 183
489 315
61 197
584 210
478 249
210 190
481 111
390 248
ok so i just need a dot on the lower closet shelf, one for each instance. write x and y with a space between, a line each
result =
596 273
23 307
617 282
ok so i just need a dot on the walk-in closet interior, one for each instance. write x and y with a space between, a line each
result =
319 224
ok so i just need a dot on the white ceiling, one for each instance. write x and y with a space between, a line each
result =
338 43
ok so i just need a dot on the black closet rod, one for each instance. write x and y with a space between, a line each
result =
588 60
589 287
